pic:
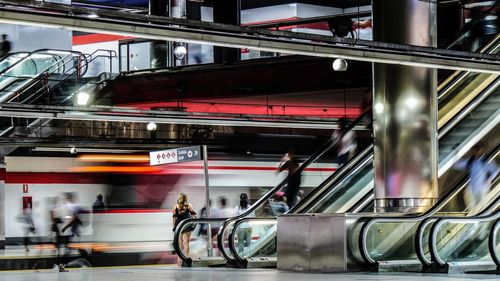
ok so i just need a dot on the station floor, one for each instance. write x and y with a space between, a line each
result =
168 273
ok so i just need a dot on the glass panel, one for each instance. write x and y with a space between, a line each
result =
202 238
460 241
255 238
392 241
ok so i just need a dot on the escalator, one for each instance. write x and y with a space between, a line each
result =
45 77
357 187
462 245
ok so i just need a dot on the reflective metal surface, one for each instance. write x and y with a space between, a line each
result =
405 111
305 244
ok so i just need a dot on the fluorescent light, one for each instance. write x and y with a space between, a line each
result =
82 98
92 16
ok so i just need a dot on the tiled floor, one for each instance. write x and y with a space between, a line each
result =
168 273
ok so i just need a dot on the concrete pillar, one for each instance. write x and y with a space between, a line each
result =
159 49
405 111
227 11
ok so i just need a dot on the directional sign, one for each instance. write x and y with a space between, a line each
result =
185 154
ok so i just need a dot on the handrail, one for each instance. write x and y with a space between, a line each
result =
441 221
87 59
42 51
65 60
363 236
470 106
419 234
232 235
263 199
178 231
492 242
305 203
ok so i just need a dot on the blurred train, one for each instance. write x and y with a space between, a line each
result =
138 197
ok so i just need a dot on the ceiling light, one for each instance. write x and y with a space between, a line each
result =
180 52
151 126
82 98
339 65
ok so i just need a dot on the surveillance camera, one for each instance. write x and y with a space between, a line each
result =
73 150
339 65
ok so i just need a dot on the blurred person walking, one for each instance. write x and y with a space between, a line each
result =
245 230
183 210
481 174
293 178
29 226
346 141
98 204
5 46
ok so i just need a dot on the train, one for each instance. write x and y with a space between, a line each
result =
138 197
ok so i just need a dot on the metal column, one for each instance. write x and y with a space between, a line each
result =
159 49
405 111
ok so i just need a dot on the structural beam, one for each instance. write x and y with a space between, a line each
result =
160 28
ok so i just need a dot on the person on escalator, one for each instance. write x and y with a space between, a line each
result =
293 178
346 141
481 174
5 46
245 230
183 210
484 23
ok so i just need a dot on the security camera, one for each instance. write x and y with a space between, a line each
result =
73 150
339 65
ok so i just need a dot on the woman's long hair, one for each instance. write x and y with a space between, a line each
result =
182 201
244 201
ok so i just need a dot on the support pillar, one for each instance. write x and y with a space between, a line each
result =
159 49
227 11
405 111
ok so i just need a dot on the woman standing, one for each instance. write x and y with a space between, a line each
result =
245 230
181 211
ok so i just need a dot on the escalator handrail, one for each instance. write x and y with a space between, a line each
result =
495 229
177 234
433 247
60 63
326 147
419 234
30 54
232 235
332 180
458 76
363 236
470 107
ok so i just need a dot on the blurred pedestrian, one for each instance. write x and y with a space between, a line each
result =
98 204
245 230
29 226
294 177
279 205
5 46
183 210
346 141
481 174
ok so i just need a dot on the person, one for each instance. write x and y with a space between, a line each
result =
204 215
55 221
483 24
346 141
98 204
5 47
29 226
75 222
245 230
293 177
367 110
183 210
481 174
279 205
